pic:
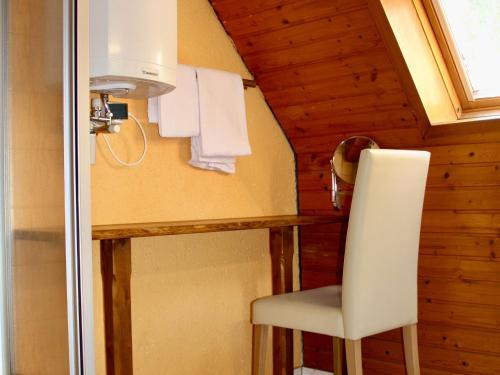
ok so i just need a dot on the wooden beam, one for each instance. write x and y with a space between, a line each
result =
396 55
116 270
282 249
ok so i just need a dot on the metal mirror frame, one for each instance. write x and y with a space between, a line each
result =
371 144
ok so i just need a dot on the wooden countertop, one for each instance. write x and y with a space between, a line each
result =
116 231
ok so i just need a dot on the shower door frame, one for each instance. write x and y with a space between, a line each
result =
77 187
4 342
78 235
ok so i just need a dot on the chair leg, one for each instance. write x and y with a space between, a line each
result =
338 348
259 349
353 355
410 341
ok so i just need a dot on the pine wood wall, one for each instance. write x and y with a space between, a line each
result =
327 74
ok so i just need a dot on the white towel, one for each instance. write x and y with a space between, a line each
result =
212 163
223 127
177 113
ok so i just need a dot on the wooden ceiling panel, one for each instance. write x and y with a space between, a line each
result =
371 61
285 15
371 82
321 65
231 9
303 33
351 43
390 100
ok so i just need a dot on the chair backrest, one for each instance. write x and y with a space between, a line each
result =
379 288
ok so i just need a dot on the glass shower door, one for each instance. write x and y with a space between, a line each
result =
40 205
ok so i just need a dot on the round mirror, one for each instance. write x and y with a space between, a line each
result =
346 156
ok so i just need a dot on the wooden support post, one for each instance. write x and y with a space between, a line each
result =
116 269
281 245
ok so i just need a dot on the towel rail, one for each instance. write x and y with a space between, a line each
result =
249 83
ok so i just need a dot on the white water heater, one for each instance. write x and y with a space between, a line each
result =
133 47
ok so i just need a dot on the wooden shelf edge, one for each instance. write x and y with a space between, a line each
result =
118 231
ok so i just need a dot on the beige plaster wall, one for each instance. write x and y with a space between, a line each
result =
191 294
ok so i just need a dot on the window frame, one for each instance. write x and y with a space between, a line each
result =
469 107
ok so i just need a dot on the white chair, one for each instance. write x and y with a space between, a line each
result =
379 285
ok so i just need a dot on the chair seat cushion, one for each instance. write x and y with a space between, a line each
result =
316 310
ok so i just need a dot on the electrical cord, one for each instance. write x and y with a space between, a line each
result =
138 161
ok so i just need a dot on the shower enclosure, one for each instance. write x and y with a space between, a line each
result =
46 325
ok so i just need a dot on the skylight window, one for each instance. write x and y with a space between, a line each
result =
469 36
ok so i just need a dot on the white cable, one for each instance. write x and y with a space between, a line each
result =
138 161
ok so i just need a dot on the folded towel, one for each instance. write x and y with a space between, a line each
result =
223 127
212 163
177 113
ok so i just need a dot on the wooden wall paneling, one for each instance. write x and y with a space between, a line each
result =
459 290
313 161
392 138
316 200
317 261
459 267
455 361
477 340
393 364
454 221
316 180
461 134
462 198
389 353
323 243
459 314
316 279
465 175
464 153
383 368
358 123
459 244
